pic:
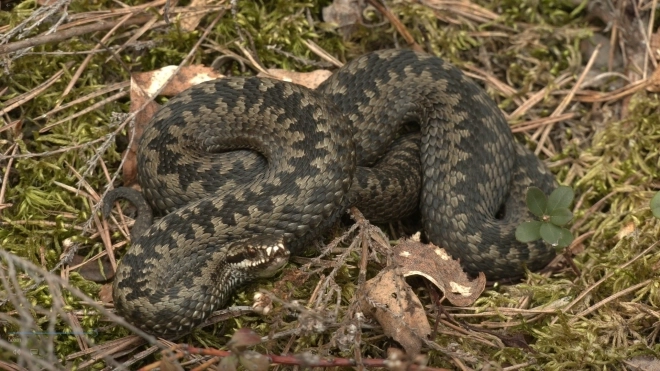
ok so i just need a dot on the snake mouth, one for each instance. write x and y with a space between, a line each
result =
261 256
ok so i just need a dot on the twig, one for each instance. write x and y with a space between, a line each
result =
5 178
16 102
600 281
294 360
609 298
397 24
68 34
83 65
562 106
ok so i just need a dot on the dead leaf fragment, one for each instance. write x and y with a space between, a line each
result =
643 363
391 301
190 21
98 270
654 81
626 231
309 80
343 13
105 294
434 264
144 87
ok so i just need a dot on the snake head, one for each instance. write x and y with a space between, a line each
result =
261 256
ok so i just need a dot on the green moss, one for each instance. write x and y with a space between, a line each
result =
534 43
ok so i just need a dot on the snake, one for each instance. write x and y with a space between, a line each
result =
248 171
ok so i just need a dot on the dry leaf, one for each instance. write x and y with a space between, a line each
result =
626 231
144 86
390 300
307 79
343 13
643 363
105 294
91 270
437 266
654 81
190 21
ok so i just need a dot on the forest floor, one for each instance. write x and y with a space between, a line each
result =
577 81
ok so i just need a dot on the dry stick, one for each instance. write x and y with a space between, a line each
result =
397 24
591 210
255 63
101 351
596 284
36 18
97 93
567 99
18 101
87 110
89 57
538 96
464 8
105 226
5 179
140 31
647 43
518 366
296 361
609 299
616 94
96 15
533 124
52 279
362 275
67 34
11 125
316 49
503 87
104 232
56 151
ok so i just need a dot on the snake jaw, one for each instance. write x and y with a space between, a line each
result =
261 257
276 258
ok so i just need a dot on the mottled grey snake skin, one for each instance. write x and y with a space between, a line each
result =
251 170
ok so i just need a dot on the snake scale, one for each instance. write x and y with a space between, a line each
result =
250 170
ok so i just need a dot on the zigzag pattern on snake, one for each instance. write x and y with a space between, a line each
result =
250 170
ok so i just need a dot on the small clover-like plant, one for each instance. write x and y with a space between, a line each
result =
553 214
655 205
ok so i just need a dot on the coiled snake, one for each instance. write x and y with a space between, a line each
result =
251 170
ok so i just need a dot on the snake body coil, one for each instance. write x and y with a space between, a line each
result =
249 170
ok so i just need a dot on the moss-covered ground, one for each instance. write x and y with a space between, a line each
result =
595 121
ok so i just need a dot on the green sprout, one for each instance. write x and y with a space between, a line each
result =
553 214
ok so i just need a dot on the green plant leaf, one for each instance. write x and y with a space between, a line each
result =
566 238
550 233
655 205
562 197
560 216
536 201
528 231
